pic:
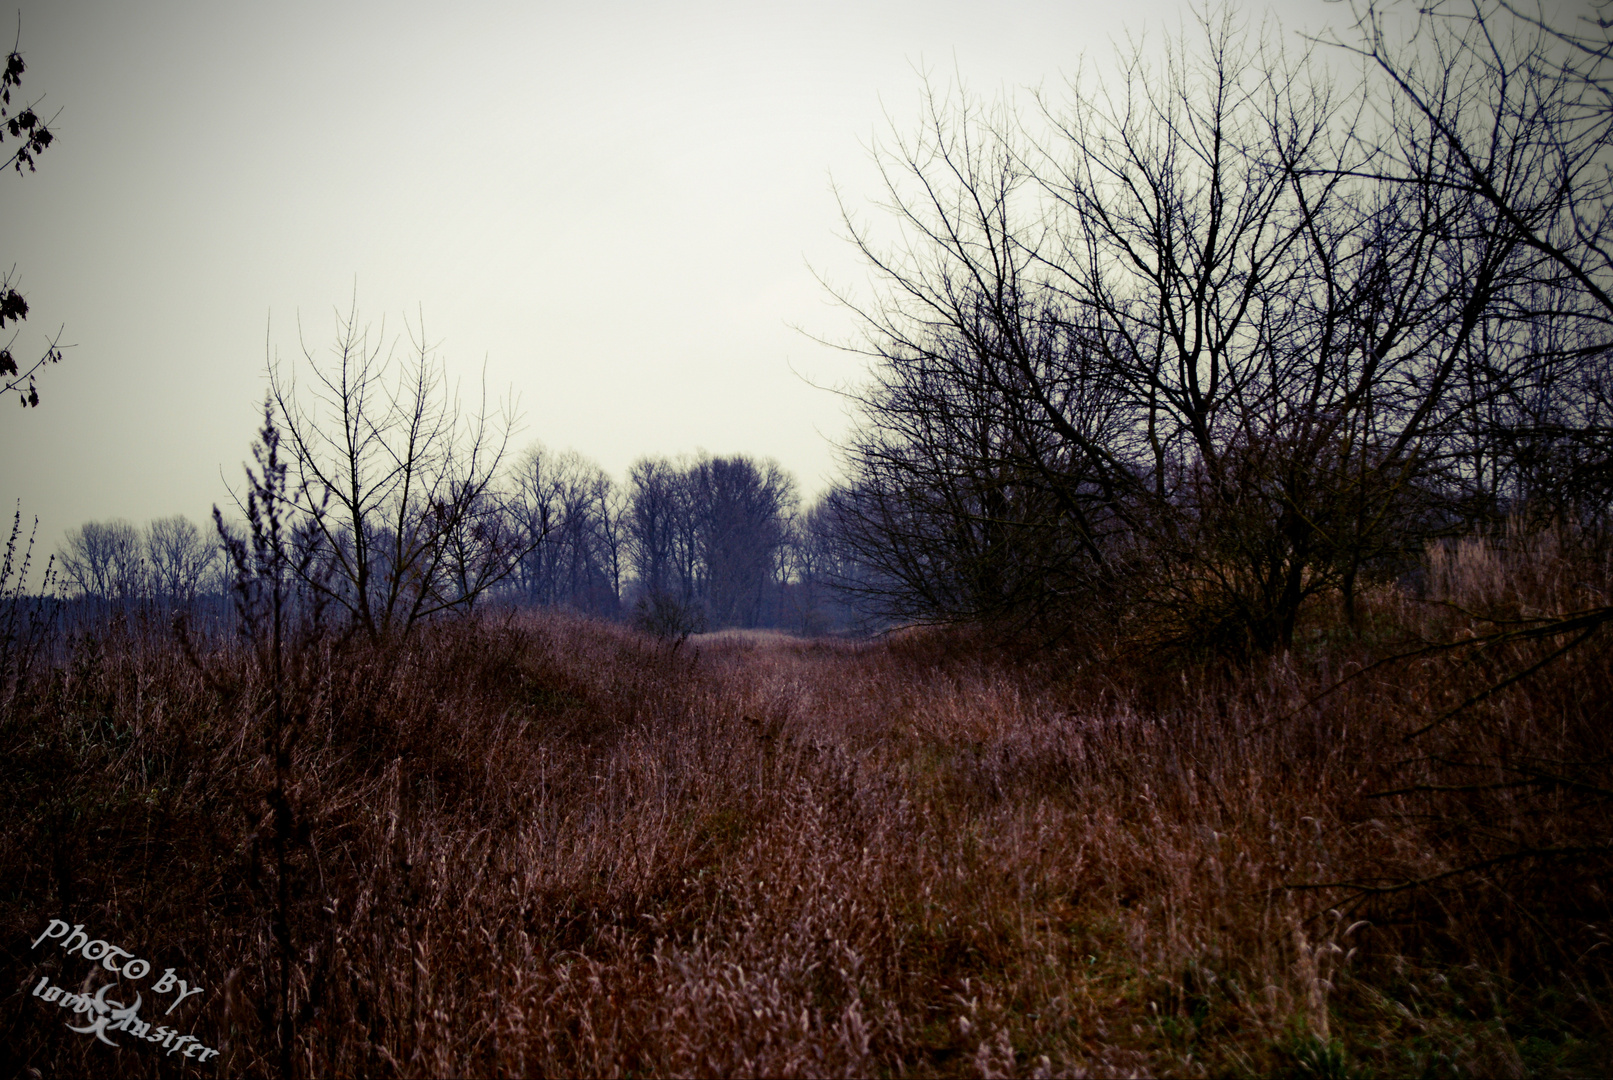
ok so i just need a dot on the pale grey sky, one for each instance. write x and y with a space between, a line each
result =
616 205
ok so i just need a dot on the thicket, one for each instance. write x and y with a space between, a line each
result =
1230 325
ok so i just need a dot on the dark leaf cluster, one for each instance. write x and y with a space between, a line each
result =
35 136
25 125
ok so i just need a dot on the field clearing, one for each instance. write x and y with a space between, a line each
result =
552 846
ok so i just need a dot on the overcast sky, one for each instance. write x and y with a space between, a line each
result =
616 207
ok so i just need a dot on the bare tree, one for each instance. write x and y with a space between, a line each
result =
584 491
181 558
708 540
818 577
661 535
742 510
565 505
611 510
1510 105
397 487
534 512
1175 342
480 548
657 503
104 560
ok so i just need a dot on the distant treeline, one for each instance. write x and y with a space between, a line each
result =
681 546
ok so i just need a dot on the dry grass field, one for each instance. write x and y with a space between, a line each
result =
540 845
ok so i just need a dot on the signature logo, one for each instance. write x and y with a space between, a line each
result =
105 1015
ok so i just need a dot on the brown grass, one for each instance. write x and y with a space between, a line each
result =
552 846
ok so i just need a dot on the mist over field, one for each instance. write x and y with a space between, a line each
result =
1187 655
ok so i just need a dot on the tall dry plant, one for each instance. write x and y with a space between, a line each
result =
277 566
25 618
